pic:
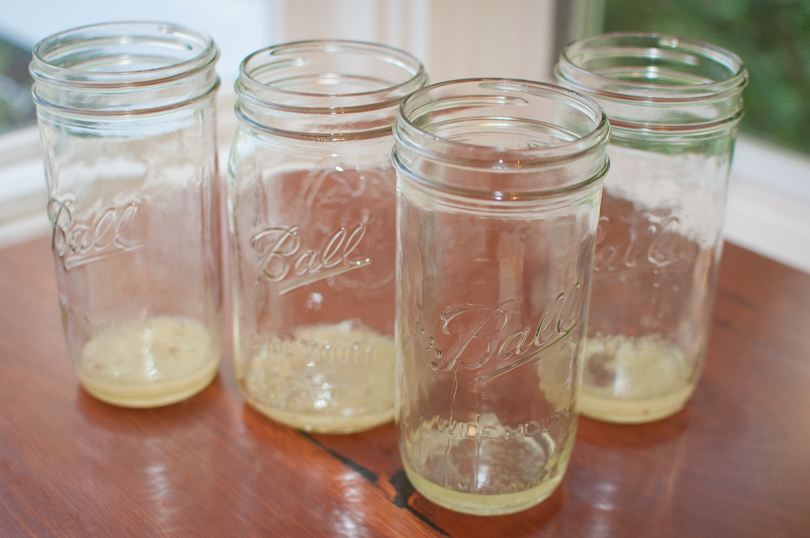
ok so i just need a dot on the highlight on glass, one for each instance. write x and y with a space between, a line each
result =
674 106
311 203
499 183
127 122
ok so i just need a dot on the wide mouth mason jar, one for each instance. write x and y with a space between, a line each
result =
126 117
311 203
674 106
499 183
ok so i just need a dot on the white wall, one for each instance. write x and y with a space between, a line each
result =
238 26
453 38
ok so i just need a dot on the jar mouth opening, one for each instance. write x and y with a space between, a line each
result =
325 76
651 67
500 124
122 55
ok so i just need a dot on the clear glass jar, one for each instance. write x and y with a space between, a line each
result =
311 202
673 105
126 116
499 183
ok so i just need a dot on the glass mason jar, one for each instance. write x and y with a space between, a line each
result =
674 106
312 201
126 117
499 183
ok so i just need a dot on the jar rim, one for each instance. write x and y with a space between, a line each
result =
270 96
43 68
444 149
652 46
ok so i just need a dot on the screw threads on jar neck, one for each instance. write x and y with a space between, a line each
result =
124 68
326 89
656 82
501 139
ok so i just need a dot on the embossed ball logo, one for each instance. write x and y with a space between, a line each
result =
284 260
487 339
79 244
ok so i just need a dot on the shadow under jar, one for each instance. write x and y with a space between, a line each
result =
499 183
311 203
126 117
674 106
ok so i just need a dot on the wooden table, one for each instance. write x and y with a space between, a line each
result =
735 462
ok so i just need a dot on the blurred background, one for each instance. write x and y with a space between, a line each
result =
769 202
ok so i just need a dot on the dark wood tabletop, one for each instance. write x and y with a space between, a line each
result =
734 463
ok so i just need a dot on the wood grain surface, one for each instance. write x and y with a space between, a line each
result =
734 463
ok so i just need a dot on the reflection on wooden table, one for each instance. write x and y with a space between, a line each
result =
735 462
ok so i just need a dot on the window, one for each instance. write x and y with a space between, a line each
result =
769 202
773 39
16 107
238 26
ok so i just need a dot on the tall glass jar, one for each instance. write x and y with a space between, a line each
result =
311 202
499 183
674 105
126 116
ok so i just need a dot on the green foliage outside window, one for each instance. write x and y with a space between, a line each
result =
771 36
16 106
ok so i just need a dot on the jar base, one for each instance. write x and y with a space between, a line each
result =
141 395
623 411
320 423
149 363
323 379
481 505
